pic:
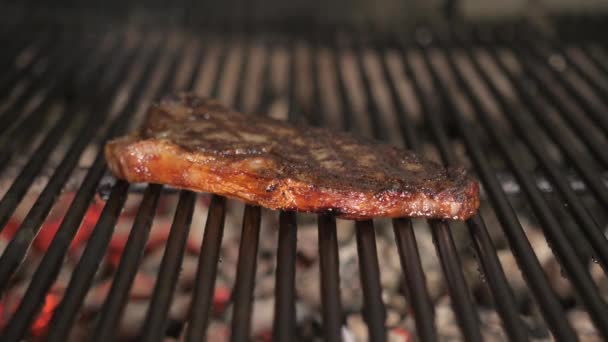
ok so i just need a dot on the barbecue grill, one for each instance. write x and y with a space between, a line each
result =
525 110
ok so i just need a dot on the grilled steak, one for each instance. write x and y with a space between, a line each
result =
198 144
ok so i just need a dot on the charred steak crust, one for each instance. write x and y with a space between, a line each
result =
198 144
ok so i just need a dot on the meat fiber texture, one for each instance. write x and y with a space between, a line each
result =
198 144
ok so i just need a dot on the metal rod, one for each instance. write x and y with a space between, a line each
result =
116 301
330 278
20 186
586 131
580 162
464 309
486 251
207 271
497 281
17 248
524 254
593 112
82 277
156 317
242 292
424 313
50 265
15 251
284 323
373 309
551 226
587 223
467 318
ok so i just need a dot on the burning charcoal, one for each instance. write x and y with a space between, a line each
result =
429 260
345 230
599 276
390 271
392 318
199 219
308 282
151 262
180 306
491 326
268 233
221 297
446 323
583 326
356 325
217 331
558 279
399 335
132 319
142 288
262 315
515 279
187 276
80 332
3 244
396 302
308 242
264 286
63 278
347 335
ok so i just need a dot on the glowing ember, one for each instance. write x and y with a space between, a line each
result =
41 324
39 327
49 229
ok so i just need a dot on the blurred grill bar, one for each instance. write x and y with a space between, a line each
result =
145 70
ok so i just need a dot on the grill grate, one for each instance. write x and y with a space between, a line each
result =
546 105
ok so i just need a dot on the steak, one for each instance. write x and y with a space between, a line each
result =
195 143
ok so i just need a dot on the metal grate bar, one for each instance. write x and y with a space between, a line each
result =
594 112
466 315
14 74
559 241
210 250
374 311
156 317
66 311
242 292
50 81
529 264
330 278
20 186
207 271
416 281
586 130
17 248
579 161
463 306
586 222
603 67
30 122
50 265
15 48
117 298
84 272
494 273
283 325
484 247
115 302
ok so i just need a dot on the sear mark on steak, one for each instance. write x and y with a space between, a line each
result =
195 143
